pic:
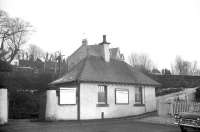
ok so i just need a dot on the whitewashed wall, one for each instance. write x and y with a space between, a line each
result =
3 105
54 111
150 99
88 102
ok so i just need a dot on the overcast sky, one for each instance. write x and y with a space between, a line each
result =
162 29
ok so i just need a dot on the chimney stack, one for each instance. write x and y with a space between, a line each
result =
105 49
104 40
84 42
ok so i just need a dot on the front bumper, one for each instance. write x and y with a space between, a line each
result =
187 125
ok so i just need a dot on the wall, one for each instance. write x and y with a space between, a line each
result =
150 99
3 106
106 52
88 102
54 111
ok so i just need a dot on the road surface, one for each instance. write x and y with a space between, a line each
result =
86 126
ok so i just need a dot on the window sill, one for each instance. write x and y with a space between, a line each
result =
66 104
139 105
102 105
122 103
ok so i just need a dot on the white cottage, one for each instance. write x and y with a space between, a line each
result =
100 87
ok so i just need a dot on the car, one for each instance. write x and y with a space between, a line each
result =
186 120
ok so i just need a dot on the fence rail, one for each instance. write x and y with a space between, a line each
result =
184 106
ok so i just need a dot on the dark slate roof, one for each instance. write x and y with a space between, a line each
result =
94 50
4 66
95 69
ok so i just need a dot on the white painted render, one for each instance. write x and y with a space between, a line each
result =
54 111
51 105
88 102
150 98
106 52
3 105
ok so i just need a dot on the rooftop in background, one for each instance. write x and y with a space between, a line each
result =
97 50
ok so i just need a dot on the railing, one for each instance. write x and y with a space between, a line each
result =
184 106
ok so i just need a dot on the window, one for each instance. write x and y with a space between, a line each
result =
67 96
121 96
102 94
138 95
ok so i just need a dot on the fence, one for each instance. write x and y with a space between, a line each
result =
183 106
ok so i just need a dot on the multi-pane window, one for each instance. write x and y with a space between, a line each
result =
138 95
121 96
102 94
67 96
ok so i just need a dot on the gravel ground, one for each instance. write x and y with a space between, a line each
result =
167 120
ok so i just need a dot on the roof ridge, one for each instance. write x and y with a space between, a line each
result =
83 65
77 50
75 66
71 70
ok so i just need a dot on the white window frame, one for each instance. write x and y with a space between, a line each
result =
67 96
121 96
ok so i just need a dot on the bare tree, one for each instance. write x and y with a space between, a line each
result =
35 51
141 62
166 71
194 68
13 34
183 67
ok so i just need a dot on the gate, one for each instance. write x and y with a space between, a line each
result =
184 106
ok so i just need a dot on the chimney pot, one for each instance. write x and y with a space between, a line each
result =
84 42
104 39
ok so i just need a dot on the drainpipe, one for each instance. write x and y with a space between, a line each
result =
145 109
78 101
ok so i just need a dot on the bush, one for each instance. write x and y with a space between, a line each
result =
23 104
24 94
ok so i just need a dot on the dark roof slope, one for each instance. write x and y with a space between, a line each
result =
94 50
95 69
